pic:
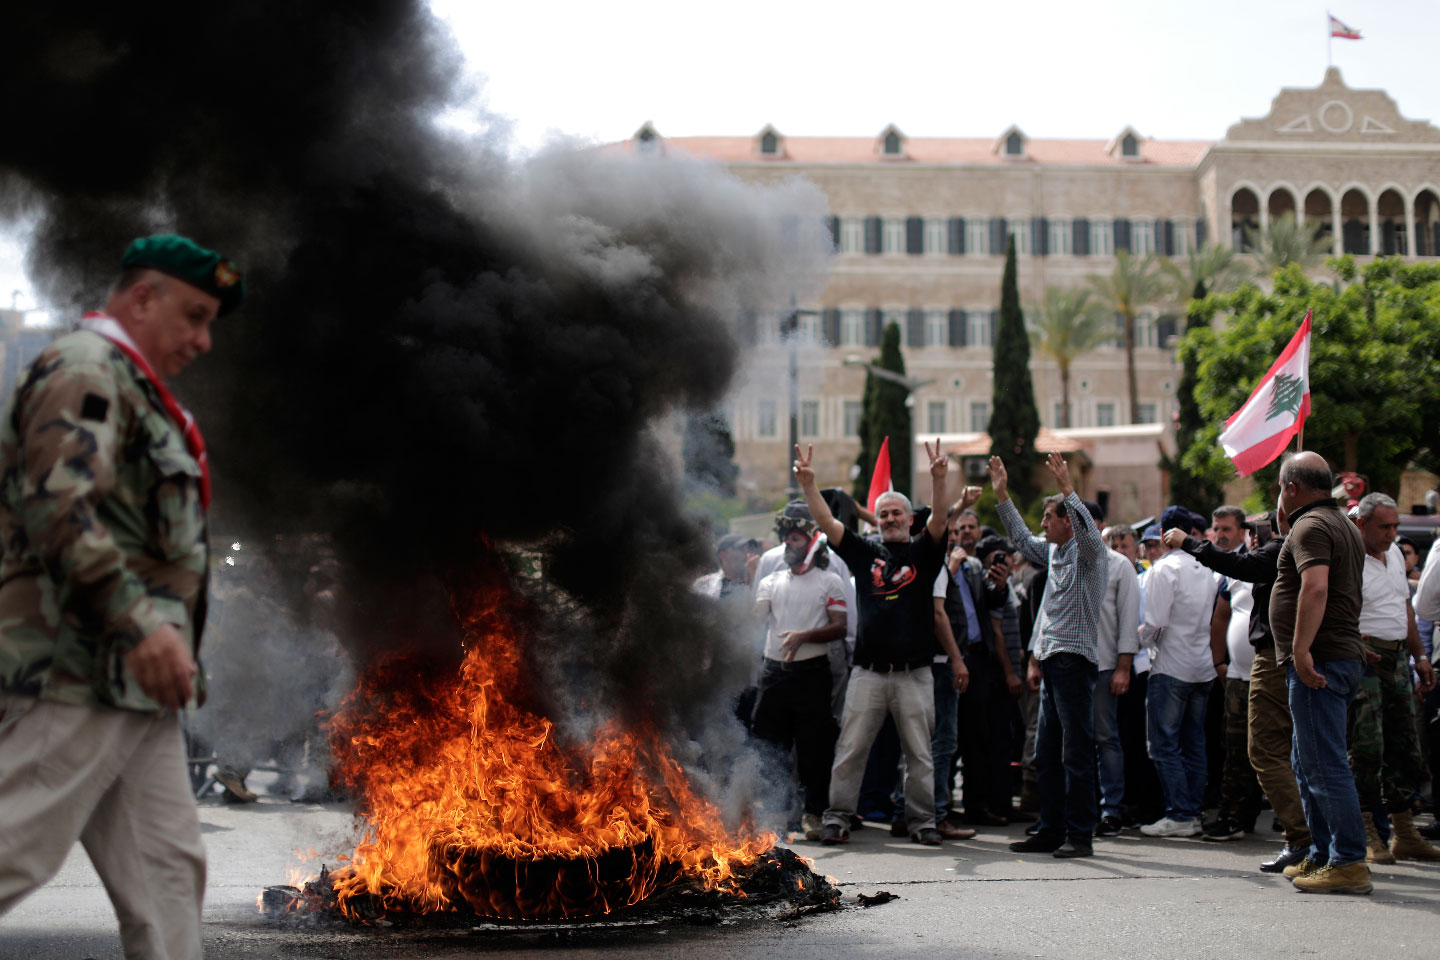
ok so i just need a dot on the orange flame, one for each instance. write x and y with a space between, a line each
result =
470 800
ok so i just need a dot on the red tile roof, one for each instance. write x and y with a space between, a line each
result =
934 150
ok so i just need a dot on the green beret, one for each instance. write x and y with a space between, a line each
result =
184 259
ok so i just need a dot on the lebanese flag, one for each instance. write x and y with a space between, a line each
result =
1338 29
1260 431
880 479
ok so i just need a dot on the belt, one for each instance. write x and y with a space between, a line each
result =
809 663
1381 644
900 667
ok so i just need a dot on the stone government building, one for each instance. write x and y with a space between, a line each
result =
920 227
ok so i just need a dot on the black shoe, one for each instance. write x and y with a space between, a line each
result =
1016 815
857 822
833 833
1037 844
898 829
1223 828
1287 857
928 836
1109 827
1069 851
1431 832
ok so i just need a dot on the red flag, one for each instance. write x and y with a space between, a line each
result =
1339 29
880 479
1260 431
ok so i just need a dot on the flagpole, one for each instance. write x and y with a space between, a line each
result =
1329 39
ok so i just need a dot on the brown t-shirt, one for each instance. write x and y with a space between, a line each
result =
1321 534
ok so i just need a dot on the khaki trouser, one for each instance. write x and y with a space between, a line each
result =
115 780
1271 731
909 697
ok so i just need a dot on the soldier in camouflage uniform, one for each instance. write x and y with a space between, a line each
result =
103 490
1384 743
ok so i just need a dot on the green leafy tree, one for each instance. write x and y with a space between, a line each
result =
1014 421
1134 283
1068 325
1205 270
884 413
1286 241
1374 366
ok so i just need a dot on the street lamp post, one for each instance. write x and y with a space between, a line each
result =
790 330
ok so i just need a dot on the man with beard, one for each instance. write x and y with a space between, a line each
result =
894 580
104 486
805 607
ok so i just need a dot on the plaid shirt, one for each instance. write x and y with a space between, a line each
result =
1079 570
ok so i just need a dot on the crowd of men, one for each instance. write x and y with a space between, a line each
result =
1114 679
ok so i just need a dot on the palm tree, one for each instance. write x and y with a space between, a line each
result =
1068 325
1205 270
1135 282
1286 241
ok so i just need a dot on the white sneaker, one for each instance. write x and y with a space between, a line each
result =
1165 827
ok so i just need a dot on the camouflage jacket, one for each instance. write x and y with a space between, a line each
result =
104 533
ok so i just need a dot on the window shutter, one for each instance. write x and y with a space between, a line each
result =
1040 236
957 236
997 236
873 320
749 324
994 322
1165 328
914 235
957 328
832 326
915 328
873 231
833 223
1199 234
1080 239
1122 234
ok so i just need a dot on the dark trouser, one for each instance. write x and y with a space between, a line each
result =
1384 749
1065 748
1239 790
1271 742
1143 800
793 710
985 739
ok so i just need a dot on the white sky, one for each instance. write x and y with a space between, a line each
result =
959 68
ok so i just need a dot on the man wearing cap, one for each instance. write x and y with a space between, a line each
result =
102 597
804 605
1179 604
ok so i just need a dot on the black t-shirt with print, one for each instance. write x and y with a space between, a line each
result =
894 584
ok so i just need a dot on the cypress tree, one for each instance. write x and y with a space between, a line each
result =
1014 421
708 452
885 414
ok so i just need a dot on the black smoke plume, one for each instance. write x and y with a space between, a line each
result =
441 349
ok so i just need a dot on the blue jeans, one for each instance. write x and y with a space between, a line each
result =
943 739
1065 749
1110 755
1175 737
1322 771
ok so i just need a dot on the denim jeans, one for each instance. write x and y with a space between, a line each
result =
943 739
1065 748
1110 755
1322 771
1175 736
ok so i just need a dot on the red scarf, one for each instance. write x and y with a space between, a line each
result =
110 329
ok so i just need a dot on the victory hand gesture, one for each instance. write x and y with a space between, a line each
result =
939 460
804 472
1062 474
998 477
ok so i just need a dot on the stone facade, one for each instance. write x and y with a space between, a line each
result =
920 227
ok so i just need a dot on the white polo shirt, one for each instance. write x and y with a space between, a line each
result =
1383 596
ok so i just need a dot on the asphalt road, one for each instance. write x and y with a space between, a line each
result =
1137 898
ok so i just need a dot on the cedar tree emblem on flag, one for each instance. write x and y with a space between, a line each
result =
1285 395
1338 29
